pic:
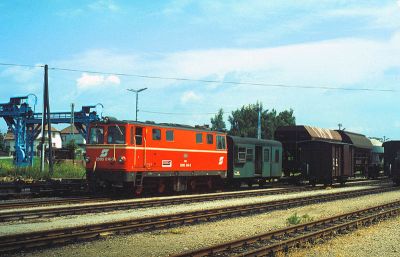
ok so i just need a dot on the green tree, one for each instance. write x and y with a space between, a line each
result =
217 122
244 121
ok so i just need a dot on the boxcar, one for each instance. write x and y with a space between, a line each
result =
376 159
392 160
253 160
314 154
361 148
139 155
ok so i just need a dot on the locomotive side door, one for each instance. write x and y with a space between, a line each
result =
140 148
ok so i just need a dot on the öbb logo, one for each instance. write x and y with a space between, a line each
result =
104 153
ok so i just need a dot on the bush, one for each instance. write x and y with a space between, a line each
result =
61 170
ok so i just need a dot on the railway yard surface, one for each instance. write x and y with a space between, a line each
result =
378 239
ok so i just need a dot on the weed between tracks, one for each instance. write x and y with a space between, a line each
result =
9 172
295 219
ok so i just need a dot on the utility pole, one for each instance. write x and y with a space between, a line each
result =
340 126
137 91
259 123
46 121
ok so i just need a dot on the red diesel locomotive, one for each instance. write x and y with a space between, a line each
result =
137 155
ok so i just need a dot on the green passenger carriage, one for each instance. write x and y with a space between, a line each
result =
253 160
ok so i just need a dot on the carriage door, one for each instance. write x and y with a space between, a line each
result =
139 151
267 162
258 161
276 162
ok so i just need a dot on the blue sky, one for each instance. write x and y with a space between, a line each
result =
351 44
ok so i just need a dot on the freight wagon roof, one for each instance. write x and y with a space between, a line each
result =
358 140
162 125
254 141
391 143
312 133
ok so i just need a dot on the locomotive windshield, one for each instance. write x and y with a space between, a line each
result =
116 135
96 135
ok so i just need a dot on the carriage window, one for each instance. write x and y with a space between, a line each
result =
156 134
249 154
96 136
116 135
266 155
276 155
139 135
210 139
221 143
241 155
199 138
169 135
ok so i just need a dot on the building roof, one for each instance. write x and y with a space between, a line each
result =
10 135
67 130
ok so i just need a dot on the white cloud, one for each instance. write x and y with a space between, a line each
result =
23 74
87 81
104 5
190 96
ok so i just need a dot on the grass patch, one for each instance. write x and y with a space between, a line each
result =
295 219
61 170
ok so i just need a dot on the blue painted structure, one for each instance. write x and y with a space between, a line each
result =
26 125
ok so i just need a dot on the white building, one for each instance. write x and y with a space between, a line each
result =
67 136
56 141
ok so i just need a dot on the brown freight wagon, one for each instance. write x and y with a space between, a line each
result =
361 148
314 154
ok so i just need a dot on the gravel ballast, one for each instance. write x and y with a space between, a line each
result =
16 227
175 240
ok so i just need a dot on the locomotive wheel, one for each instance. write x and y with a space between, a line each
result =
161 187
210 183
139 190
192 185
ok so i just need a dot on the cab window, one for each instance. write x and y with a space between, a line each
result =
116 135
169 135
156 134
221 143
199 138
96 135
210 139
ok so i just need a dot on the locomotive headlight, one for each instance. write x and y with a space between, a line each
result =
87 159
122 159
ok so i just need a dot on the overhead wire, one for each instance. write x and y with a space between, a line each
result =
202 80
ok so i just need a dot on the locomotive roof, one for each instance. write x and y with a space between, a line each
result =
254 141
162 125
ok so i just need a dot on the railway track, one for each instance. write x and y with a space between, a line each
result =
68 235
12 215
47 202
270 243
133 204
37 202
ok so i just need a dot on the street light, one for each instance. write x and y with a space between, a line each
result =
137 98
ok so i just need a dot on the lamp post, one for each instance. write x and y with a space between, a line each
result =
137 97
